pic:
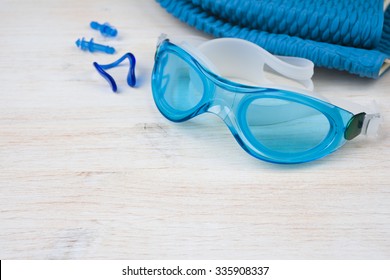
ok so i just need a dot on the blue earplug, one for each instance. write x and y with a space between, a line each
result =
106 29
92 46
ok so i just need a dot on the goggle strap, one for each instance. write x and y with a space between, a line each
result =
372 124
372 121
228 53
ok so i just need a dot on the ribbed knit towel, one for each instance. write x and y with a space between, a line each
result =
349 35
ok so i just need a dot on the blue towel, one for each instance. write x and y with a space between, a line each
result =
348 35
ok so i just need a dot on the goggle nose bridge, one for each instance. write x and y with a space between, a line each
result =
222 102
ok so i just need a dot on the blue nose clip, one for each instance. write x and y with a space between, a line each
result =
131 80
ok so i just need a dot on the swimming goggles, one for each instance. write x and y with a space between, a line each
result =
279 124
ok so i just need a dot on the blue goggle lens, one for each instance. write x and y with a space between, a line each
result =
180 87
285 126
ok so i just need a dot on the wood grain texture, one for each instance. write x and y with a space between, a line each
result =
87 174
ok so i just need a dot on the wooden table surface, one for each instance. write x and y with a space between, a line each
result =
88 174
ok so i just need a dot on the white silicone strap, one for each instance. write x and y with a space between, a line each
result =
242 59
372 124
